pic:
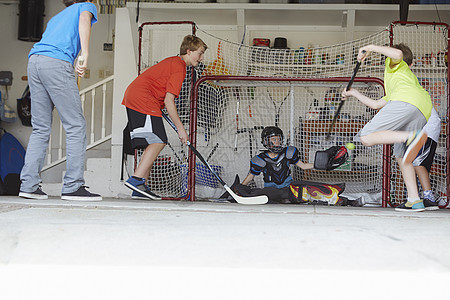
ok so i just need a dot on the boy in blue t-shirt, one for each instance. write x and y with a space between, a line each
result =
53 83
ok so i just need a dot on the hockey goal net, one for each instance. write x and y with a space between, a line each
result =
232 111
298 89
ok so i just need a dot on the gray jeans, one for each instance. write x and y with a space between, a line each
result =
53 85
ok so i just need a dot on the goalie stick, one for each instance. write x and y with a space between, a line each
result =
241 200
349 85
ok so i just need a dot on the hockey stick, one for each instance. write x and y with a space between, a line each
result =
237 118
241 200
212 152
349 85
278 95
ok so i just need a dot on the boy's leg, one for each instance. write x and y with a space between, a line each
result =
145 132
422 165
393 124
424 177
428 197
384 137
63 90
35 155
147 159
138 182
414 203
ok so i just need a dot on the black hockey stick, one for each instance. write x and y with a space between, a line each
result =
349 85
212 152
241 200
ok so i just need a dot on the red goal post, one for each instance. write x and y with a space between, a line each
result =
228 113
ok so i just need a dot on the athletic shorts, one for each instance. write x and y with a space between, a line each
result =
426 155
145 129
396 116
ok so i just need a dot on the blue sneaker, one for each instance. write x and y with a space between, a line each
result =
138 196
140 188
415 206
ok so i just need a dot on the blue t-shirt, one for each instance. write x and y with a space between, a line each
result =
61 39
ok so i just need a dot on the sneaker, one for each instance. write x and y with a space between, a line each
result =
138 196
414 144
411 207
37 195
81 195
138 185
430 205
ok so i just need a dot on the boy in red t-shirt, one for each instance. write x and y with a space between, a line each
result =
144 98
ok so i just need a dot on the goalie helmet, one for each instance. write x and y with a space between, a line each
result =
267 134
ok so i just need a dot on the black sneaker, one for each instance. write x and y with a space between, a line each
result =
81 195
138 185
430 205
37 195
139 196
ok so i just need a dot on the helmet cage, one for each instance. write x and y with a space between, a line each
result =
267 143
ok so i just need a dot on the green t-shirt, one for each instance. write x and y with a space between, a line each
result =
401 84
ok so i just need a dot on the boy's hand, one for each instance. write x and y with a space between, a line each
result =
182 135
363 53
81 65
346 94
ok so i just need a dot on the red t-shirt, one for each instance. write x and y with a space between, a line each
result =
147 92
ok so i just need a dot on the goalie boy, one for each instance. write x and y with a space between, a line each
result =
275 163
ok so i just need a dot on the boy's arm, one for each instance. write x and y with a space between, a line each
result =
305 166
374 104
84 28
169 101
247 179
396 55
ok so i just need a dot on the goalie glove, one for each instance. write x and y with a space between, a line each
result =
331 158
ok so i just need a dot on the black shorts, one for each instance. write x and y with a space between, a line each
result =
426 155
145 129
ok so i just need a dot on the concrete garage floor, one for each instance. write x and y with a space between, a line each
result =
129 249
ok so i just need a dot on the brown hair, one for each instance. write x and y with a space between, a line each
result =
191 42
407 53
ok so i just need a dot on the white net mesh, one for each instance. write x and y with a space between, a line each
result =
429 44
227 58
301 109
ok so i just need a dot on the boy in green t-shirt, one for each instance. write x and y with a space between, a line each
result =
404 111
